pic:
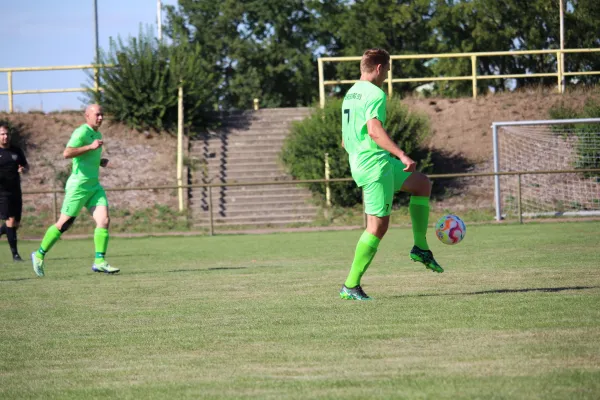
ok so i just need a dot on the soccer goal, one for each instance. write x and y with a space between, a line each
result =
552 145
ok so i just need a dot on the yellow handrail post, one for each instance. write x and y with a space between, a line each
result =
390 89
559 71
327 187
180 147
321 83
474 74
10 92
256 104
96 80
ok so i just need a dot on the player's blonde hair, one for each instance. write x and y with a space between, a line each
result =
373 57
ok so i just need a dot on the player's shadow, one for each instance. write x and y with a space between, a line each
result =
501 291
176 271
206 269
18 279
89 258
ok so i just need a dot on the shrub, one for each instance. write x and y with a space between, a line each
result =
142 89
304 149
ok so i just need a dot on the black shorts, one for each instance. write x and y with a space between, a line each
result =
11 205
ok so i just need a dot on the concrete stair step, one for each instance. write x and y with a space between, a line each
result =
249 130
260 190
249 205
267 218
255 213
263 122
240 150
282 113
267 165
250 179
283 194
235 159
237 144
236 170
225 175
257 224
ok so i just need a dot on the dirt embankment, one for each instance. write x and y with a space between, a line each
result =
135 159
461 129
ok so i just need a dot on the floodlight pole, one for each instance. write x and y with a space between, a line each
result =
562 45
97 59
159 20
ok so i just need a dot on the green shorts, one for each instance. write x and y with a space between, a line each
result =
76 197
378 195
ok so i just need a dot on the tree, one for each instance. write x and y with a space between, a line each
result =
142 88
262 49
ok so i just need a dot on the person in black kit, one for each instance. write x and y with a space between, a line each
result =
12 163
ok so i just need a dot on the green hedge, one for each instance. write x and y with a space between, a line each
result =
304 150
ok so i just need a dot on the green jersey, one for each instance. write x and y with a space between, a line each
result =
86 167
364 101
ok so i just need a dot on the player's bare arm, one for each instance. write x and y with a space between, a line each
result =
380 136
71 152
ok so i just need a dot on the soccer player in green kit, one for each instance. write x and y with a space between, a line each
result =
82 189
370 151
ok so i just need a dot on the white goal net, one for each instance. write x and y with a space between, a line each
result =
560 145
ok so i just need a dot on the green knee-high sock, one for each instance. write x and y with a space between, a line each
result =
419 216
101 243
50 238
365 251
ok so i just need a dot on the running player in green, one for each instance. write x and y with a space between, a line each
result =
82 190
370 151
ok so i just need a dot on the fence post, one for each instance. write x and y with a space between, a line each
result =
54 205
256 104
496 169
180 147
327 187
10 92
559 71
210 212
519 204
390 88
474 74
321 83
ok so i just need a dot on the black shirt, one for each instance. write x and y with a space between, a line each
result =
10 160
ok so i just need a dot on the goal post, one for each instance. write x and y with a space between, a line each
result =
547 145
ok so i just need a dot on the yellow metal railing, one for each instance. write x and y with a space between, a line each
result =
9 73
474 77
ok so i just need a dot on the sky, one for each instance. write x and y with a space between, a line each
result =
40 33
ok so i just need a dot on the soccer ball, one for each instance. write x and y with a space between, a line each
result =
450 229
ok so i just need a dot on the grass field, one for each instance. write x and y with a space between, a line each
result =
515 315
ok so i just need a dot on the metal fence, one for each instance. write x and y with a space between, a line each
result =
211 227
